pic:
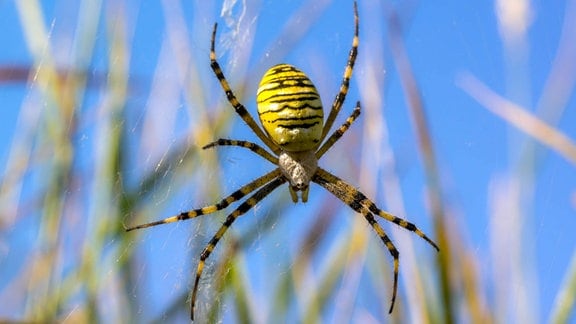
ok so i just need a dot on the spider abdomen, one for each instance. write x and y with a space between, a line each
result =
290 109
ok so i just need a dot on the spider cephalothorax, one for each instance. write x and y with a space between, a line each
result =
291 114
298 168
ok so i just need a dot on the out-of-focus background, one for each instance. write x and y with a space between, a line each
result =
467 130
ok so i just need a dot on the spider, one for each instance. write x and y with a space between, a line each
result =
291 114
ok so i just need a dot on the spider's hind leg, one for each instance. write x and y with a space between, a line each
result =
393 251
361 204
242 209
238 107
225 202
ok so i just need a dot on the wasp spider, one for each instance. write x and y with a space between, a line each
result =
291 114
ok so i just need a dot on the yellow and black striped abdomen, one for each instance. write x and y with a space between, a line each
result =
290 109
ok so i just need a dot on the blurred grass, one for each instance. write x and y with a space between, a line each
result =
80 168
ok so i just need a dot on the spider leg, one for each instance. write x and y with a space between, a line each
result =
249 145
242 209
337 104
361 204
391 248
339 132
240 109
235 196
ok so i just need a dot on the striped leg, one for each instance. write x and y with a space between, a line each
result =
339 132
243 208
393 251
249 145
337 104
235 196
361 204
240 109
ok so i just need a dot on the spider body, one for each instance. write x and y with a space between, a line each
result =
290 109
291 114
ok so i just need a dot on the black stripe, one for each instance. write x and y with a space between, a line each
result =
370 219
298 126
283 68
294 119
285 76
409 226
185 215
360 197
281 79
288 97
287 107
236 195
282 86
231 218
355 205
290 81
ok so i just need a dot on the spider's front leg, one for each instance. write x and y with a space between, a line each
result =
341 96
238 107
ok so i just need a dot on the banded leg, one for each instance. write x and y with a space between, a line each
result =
249 145
393 251
242 209
339 132
240 109
360 203
235 196
339 100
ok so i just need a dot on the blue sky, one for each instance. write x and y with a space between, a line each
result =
480 156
